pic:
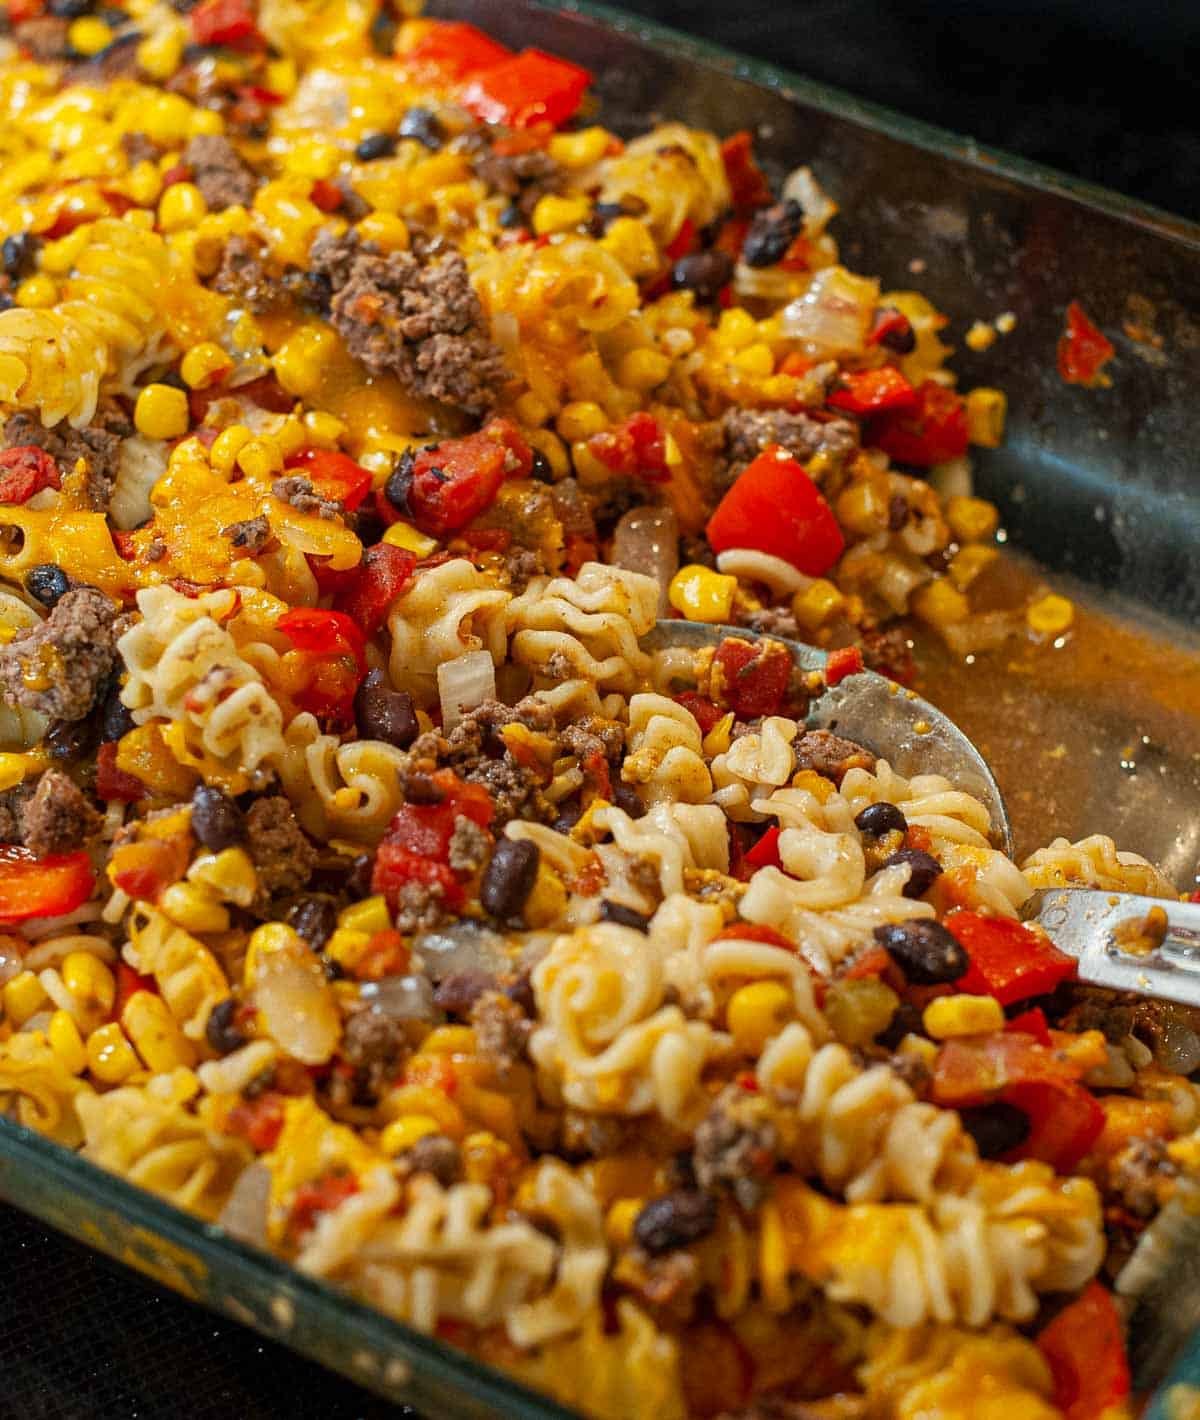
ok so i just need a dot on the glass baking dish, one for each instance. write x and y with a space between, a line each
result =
1098 484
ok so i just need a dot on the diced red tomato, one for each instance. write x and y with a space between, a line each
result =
845 661
146 867
747 185
765 853
1083 350
1085 1349
129 982
635 448
456 480
42 887
930 431
1065 1120
1032 1022
775 507
531 87
330 582
974 1069
426 829
448 50
682 242
325 195
888 322
1008 960
323 633
753 676
21 10
880 391
259 1121
383 575
333 475
395 867
227 22
702 710
113 783
321 1196
24 471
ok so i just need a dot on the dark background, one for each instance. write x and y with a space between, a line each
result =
1100 90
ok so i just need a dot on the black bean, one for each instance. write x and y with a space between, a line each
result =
773 230
704 272
906 1020
113 17
116 719
436 1154
424 126
69 740
520 990
70 9
674 1220
878 819
47 583
541 469
358 879
19 253
924 950
459 991
570 811
383 33
216 820
996 1127
399 484
611 911
924 870
420 788
220 1031
314 918
626 797
512 216
900 338
375 145
382 713
510 877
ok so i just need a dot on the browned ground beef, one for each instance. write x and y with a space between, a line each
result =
774 621
250 535
217 170
749 431
139 148
300 493
375 1044
419 908
283 856
58 818
12 812
501 1029
735 1145
59 667
831 755
524 177
45 37
436 1154
243 275
99 445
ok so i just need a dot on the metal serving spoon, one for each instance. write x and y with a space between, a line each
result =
1121 940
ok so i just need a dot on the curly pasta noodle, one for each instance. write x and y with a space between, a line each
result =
752 767
339 790
39 1091
188 975
1095 862
665 757
676 837
448 611
675 171
929 801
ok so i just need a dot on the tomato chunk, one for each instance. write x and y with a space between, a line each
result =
1065 1120
24 471
531 87
1085 1349
929 431
451 483
974 1069
227 22
449 50
751 677
42 887
320 1196
873 392
383 575
1083 350
747 184
765 853
1008 960
395 867
702 710
845 661
775 507
635 448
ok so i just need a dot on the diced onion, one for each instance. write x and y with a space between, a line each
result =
244 1215
463 946
952 479
297 1006
647 540
403 998
464 683
819 207
834 315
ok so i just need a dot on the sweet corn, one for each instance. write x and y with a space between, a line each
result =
405 536
736 329
270 937
700 594
756 1013
547 900
531 409
88 35
229 875
260 458
203 364
864 507
145 184
449 1040
1050 615
369 915
346 946
629 242
14 768
155 1034
580 149
560 214
66 1042
620 1218
968 562
36 293
971 519
161 412
580 420
817 785
110 1057
60 256
987 410
949 1016
181 205
324 430
720 737
300 359
755 359
161 54
404 1132
282 77
23 996
980 337
192 908
386 230
91 983
226 447
817 603
643 369
940 603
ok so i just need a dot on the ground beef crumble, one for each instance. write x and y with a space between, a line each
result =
45 37
435 1154
419 908
243 275
524 177
99 445
250 535
12 812
58 818
468 845
283 856
60 666
502 1029
375 1045
773 621
831 755
735 1145
749 431
300 493
223 178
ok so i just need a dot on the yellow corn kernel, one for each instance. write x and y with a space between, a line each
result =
940 603
863 507
14 768
818 786
203 364
643 369
300 360
181 205
757 1013
110 1057
260 458
270 937
449 1040
23 996
720 737
91 983
405 536
155 1034
226 447
818 603
560 214
580 149
145 184
386 230
949 1016
88 35
701 594
580 420
736 329
36 292
161 412
968 562
161 54
547 443
229 874
346 946
66 1042
369 915
971 519
323 429
620 1218
1050 615
548 900
290 437
404 1132
629 242
591 472
60 256
987 410
204 120
281 77
531 409
980 337
755 359
193 909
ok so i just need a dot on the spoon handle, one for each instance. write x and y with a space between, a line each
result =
1149 945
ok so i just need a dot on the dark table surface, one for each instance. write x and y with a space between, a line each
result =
1099 90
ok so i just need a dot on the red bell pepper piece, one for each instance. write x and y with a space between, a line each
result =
383 575
775 507
24 471
333 475
753 675
324 633
1032 1022
635 448
1008 960
974 1069
1065 1120
227 22
129 983
42 887
747 185
933 430
531 87
113 783
682 242
1085 1349
873 392
456 480
395 867
326 195
450 50
765 853
1083 350
845 661
702 710
21 10
891 324
754 932
320 1196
